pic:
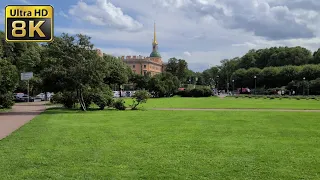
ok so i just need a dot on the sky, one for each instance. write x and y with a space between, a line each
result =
203 32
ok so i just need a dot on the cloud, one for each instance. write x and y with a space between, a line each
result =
2 14
120 51
257 16
186 53
61 13
26 2
202 32
104 13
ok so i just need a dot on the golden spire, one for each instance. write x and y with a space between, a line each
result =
154 34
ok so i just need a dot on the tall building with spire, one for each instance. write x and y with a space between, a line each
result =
147 65
155 52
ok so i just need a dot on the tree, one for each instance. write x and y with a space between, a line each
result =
315 86
8 82
139 97
75 66
177 67
210 75
140 81
268 75
164 85
118 72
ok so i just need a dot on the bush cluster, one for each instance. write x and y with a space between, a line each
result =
196 92
277 97
6 101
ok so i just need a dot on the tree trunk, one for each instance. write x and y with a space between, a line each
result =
81 101
120 90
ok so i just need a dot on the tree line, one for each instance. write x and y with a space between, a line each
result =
292 67
70 67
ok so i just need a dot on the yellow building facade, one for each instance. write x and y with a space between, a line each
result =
146 65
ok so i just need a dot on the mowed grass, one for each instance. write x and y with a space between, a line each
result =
215 102
61 144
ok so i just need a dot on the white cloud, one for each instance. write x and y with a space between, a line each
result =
186 53
121 51
61 13
26 2
201 31
104 13
2 14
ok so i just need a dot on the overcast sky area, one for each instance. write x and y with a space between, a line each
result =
202 32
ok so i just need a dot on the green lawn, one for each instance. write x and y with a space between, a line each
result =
164 145
214 102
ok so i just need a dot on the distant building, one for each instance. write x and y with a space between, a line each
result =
99 52
146 65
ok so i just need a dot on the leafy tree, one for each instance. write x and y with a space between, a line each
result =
8 82
268 75
164 85
140 81
177 67
139 97
75 66
118 72
315 86
210 75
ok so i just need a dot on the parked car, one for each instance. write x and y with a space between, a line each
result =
116 94
18 97
42 96
26 97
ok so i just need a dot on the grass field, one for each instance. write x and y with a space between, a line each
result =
61 144
215 102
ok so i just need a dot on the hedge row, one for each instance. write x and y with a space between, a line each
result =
196 92
276 97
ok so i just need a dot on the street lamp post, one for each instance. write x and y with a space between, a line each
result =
228 87
303 85
232 86
255 84
196 80
218 85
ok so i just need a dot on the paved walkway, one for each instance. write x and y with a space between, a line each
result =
235 109
20 114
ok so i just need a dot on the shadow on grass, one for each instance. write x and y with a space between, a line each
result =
20 113
63 110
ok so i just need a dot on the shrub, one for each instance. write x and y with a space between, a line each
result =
6 100
102 100
56 98
119 104
139 97
197 92
69 99
207 92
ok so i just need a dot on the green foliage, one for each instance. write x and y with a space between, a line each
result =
56 98
164 85
6 100
118 72
8 82
196 92
119 104
139 97
140 81
102 97
178 68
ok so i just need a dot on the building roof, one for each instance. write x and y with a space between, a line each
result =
155 54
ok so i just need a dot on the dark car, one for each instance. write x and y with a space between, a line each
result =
25 98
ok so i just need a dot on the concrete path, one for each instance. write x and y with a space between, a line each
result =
20 114
236 109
